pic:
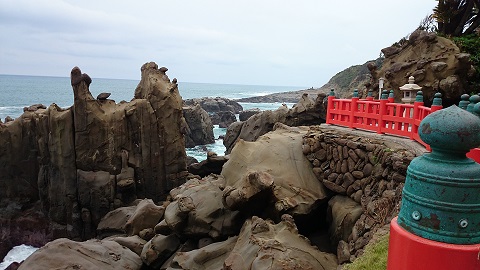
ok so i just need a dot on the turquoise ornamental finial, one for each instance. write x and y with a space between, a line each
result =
476 109
441 198
464 101
419 97
384 94
332 93
370 93
355 92
391 95
437 99
474 99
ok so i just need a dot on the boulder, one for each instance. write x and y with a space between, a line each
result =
217 104
197 210
159 249
244 115
146 215
253 186
213 164
114 222
264 245
93 254
342 214
275 156
223 119
134 243
305 112
210 257
436 63
200 127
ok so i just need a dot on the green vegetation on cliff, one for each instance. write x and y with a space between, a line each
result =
354 77
471 45
374 257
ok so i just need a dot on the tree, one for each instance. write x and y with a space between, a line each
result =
457 17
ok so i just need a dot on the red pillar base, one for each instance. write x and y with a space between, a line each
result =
407 251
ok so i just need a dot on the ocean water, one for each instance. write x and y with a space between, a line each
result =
18 91
17 254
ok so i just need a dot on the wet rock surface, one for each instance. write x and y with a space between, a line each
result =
81 162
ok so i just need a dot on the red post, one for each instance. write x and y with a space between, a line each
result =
353 110
330 107
382 111
409 251
475 155
416 112
435 108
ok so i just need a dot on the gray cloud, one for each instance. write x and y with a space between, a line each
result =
249 42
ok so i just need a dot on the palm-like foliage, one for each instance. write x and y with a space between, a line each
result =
457 17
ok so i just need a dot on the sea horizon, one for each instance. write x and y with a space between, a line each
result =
19 91
103 78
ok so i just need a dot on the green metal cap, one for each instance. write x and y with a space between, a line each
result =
384 94
464 101
390 95
437 99
441 196
355 92
419 97
474 99
332 93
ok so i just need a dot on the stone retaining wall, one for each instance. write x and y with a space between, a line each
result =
365 177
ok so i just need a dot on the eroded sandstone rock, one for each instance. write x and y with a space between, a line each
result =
305 112
264 245
434 61
275 156
197 210
146 215
200 127
210 257
93 254
84 161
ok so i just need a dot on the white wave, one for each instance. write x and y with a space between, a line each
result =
17 254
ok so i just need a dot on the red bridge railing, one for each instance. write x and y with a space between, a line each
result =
384 116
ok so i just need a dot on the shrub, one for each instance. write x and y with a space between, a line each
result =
471 44
374 256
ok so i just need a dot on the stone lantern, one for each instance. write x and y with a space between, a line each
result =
410 91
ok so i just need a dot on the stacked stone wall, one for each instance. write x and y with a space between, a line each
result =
367 174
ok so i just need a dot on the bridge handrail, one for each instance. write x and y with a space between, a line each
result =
384 116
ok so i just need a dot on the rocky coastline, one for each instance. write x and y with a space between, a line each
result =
102 185
104 182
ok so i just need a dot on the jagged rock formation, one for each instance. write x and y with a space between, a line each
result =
82 162
305 112
257 171
213 164
223 119
221 110
217 104
93 254
436 63
200 127
244 115
258 212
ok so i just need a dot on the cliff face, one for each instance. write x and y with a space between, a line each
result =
436 63
79 163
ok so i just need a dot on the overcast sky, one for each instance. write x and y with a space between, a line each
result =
266 42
